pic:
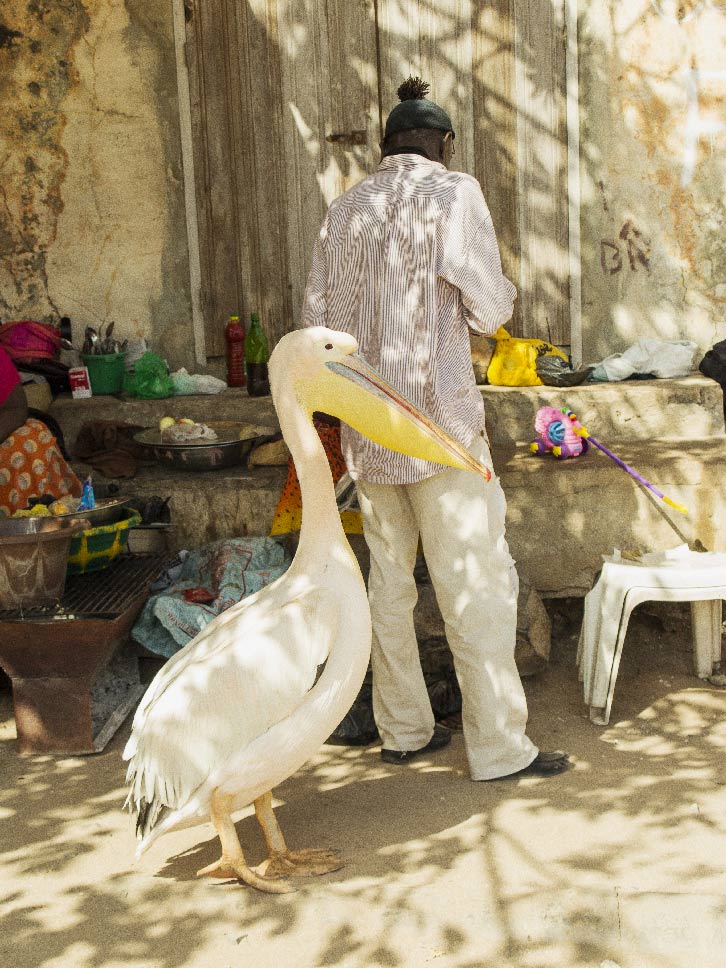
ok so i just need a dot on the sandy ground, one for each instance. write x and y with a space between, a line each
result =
620 862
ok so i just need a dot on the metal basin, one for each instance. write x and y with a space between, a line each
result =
34 559
28 527
235 441
107 511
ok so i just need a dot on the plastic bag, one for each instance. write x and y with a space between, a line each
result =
657 357
555 372
150 379
514 363
186 383
714 365
358 727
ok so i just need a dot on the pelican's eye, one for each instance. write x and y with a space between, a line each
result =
328 346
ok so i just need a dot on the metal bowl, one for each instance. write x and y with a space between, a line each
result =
13 527
234 442
34 560
29 527
105 512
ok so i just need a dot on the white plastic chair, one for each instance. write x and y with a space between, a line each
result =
686 577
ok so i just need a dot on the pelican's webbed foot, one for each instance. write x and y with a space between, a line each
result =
300 863
228 866
232 863
282 862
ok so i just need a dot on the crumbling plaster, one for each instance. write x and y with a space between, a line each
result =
92 223
653 126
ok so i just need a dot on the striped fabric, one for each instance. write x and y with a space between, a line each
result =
406 262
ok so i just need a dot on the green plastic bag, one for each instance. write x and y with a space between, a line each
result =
150 379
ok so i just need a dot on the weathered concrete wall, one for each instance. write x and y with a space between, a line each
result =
92 220
91 198
653 79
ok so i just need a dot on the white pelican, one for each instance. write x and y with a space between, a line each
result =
239 709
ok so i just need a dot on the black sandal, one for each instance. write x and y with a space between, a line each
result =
544 764
440 739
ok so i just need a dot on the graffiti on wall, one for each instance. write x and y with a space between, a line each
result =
631 248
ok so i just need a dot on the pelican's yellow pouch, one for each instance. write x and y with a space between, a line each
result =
513 363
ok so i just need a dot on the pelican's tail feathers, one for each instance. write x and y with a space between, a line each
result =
148 816
165 819
144 801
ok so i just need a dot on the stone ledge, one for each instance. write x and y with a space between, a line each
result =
562 515
228 405
686 408
215 504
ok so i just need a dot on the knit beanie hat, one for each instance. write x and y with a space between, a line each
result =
415 110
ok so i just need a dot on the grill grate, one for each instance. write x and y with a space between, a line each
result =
101 594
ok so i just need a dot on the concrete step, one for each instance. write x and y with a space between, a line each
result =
228 405
687 408
562 515
210 505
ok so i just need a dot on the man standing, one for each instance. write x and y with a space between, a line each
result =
407 262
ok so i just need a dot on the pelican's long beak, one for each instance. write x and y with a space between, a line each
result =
357 394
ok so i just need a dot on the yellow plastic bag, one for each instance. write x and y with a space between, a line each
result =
513 363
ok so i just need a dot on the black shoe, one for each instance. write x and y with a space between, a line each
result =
544 764
440 739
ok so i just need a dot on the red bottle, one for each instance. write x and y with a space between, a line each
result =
234 335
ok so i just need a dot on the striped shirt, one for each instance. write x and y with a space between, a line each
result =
407 262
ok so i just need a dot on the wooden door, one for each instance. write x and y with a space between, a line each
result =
286 98
499 69
285 118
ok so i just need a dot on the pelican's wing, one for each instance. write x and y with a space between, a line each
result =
248 669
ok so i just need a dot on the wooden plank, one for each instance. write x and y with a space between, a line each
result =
261 195
190 198
509 115
206 36
540 85
240 185
435 42
329 89
272 80
495 130
466 51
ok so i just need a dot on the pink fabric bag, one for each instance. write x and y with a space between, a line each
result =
26 341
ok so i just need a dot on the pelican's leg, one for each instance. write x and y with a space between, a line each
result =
282 861
232 863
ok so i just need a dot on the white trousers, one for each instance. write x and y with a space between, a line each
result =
460 520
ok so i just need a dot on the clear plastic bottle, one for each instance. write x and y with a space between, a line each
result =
234 335
257 354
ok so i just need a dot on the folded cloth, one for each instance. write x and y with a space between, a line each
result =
210 580
108 446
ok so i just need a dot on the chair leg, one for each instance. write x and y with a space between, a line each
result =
706 621
622 630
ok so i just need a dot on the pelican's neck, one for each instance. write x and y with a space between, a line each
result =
321 525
